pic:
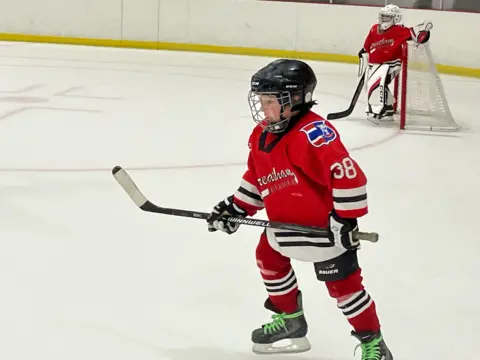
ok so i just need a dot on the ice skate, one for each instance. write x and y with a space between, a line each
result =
285 334
376 119
388 115
386 118
373 118
390 111
373 346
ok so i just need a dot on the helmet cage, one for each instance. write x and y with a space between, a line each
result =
284 99
388 16
386 21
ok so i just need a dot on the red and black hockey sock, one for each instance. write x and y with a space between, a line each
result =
360 311
282 289
278 276
355 302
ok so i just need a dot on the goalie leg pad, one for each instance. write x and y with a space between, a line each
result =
380 98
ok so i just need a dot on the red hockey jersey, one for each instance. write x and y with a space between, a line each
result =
383 46
299 177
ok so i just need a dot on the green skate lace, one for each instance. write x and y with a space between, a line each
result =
370 350
278 322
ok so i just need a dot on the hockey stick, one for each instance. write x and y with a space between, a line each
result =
143 203
347 112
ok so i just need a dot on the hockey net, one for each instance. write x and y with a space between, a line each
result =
421 103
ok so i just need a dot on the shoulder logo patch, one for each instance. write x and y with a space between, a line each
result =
319 133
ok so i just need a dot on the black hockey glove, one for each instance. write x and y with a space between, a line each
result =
341 230
217 219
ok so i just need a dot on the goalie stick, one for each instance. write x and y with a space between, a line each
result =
347 112
143 203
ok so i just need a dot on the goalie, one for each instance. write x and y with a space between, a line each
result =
382 51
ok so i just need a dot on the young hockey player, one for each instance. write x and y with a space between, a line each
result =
300 172
383 49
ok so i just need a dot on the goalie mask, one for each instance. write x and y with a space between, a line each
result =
279 92
388 16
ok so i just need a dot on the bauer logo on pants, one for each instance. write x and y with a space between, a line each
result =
319 133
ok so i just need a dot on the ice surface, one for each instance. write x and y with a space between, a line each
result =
84 274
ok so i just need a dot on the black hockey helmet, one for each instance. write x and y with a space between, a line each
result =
292 82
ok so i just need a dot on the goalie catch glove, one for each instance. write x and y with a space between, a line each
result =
421 32
218 217
341 231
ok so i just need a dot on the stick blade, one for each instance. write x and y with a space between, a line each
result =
339 115
347 112
126 182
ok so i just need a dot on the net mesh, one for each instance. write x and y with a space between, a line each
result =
426 102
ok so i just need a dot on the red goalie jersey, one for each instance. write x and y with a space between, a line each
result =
383 46
299 176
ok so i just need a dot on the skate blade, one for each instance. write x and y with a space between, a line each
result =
387 119
373 120
285 346
384 122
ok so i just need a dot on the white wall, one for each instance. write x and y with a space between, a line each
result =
85 18
290 26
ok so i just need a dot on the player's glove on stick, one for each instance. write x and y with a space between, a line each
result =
217 219
341 230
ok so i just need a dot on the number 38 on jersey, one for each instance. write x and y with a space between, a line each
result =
344 169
